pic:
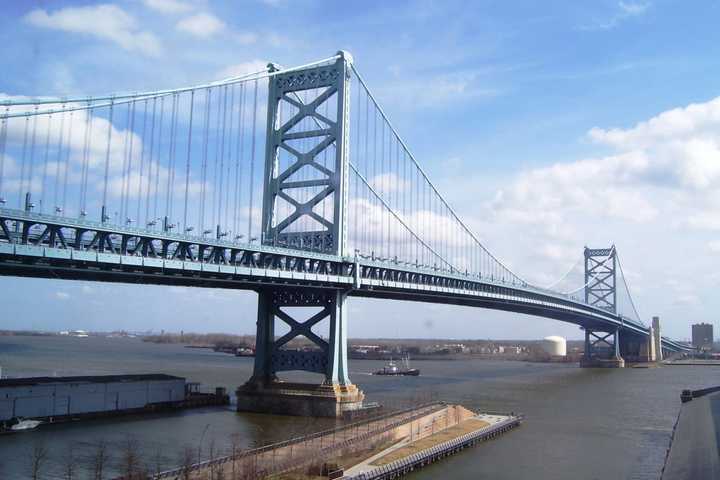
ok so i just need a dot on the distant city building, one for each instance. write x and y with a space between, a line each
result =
702 336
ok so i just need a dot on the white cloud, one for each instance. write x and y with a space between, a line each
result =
388 183
168 6
631 8
245 38
203 25
106 21
446 88
62 295
683 144
714 246
624 11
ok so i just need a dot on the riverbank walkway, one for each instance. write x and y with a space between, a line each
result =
694 452
410 445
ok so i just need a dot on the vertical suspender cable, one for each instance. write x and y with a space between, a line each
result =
67 162
156 189
151 162
58 160
203 167
187 161
127 163
221 170
32 152
86 160
213 207
226 220
241 151
142 162
252 159
22 163
43 181
170 194
107 158
3 141
126 140
239 161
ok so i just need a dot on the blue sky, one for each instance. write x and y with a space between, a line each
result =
548 125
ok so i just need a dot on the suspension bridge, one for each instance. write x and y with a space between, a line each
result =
291 182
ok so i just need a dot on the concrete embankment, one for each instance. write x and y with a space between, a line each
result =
394 442
694 452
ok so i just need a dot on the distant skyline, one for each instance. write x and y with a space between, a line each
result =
547 125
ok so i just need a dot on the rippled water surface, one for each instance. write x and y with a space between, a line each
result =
581 423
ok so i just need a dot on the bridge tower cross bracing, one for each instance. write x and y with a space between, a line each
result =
602 346
307 118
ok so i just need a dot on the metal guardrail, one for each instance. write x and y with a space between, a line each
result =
420 459
177 473
688 395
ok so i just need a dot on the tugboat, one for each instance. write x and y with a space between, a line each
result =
392 369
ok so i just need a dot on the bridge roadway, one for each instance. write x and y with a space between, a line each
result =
46 246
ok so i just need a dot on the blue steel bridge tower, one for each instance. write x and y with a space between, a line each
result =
307 120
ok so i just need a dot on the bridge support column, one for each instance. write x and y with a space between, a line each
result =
602 349
264 392
657 339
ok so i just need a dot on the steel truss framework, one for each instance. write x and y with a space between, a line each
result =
330 356
56 247
602 343
600 278
285 89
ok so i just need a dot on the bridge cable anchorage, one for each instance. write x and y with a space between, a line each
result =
372 190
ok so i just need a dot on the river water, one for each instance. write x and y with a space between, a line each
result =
581 423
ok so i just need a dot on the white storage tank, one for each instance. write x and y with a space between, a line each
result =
555 346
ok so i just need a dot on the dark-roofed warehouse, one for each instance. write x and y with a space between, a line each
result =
57 397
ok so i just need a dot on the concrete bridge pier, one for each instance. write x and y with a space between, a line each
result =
301 309
602 349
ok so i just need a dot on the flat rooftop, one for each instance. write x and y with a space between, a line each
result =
24 382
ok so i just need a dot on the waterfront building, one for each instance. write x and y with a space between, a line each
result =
702 336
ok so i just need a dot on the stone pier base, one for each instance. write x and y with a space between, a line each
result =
284 398
594 362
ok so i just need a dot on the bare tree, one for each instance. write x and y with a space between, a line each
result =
187 461
212 457
69 463
99 459
158 461
130 457
38 456
234 450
